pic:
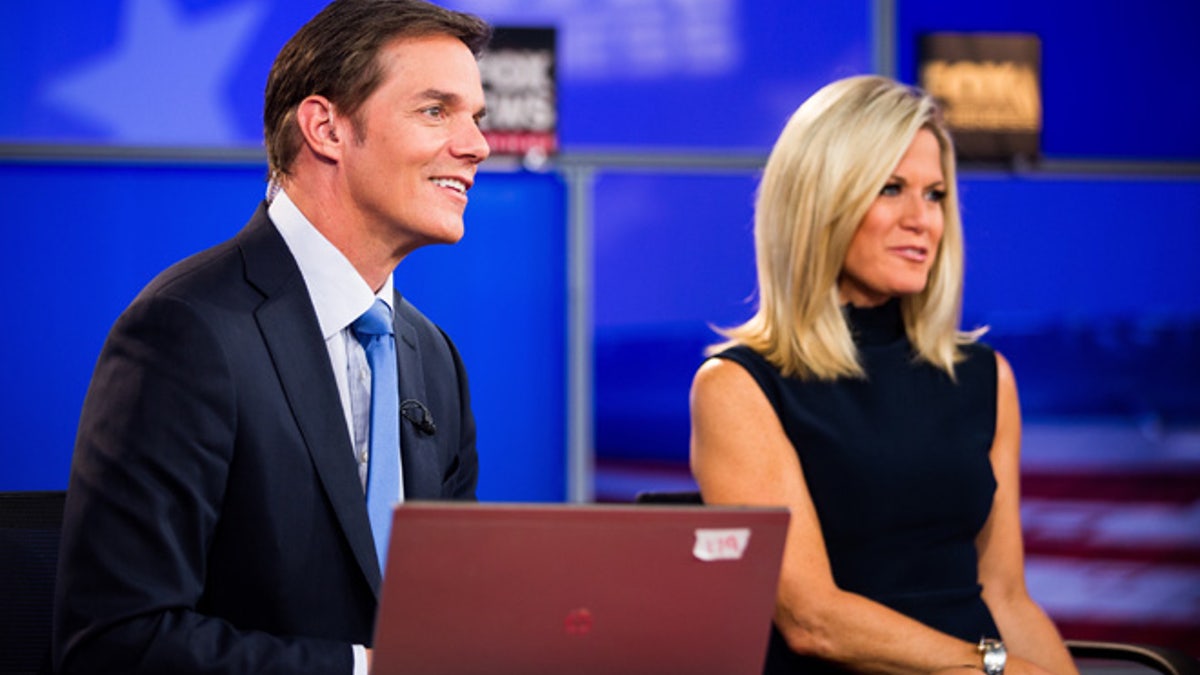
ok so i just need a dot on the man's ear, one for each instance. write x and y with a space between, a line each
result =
321 127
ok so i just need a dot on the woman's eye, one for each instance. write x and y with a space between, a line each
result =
936 196
890 190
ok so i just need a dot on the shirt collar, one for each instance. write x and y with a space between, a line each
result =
339 293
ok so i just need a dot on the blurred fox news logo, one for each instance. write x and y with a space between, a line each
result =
518 71
989 86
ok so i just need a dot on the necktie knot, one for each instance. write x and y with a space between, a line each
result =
374 322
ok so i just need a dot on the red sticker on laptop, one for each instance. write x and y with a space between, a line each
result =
722 544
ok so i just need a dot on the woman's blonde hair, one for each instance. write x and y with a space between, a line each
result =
835 154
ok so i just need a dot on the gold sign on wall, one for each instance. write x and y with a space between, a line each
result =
990 88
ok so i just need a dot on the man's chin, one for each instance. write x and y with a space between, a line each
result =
449 233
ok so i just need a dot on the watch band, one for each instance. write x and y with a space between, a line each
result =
994 656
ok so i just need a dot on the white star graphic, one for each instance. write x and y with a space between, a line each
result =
164 81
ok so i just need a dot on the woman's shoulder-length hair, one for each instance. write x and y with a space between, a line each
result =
835 154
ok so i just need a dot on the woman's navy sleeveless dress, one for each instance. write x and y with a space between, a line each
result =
897 466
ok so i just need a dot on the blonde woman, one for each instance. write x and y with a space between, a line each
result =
853 398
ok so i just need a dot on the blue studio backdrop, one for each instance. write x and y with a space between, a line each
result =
187 76
92 235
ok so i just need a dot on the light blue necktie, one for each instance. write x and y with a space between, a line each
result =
374 330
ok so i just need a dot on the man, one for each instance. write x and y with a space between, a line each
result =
217 517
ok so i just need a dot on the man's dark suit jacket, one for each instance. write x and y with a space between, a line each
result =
215 522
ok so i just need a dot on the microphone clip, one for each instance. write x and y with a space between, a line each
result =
418 415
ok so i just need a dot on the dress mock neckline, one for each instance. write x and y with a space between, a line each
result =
880 325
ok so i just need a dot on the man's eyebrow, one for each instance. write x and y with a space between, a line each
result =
440 96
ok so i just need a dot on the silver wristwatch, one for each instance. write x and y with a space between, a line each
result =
994 656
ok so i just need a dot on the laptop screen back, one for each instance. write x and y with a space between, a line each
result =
580 589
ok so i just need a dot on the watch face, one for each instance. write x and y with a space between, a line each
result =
994 656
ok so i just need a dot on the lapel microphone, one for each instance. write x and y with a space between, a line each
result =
418 415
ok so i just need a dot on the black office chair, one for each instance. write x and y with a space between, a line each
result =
29 532
1089 654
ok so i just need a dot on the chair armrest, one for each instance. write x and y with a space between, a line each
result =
1166 660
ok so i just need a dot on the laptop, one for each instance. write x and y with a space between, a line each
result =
558 589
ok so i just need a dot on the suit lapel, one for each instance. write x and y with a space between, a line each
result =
292 335
418 450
